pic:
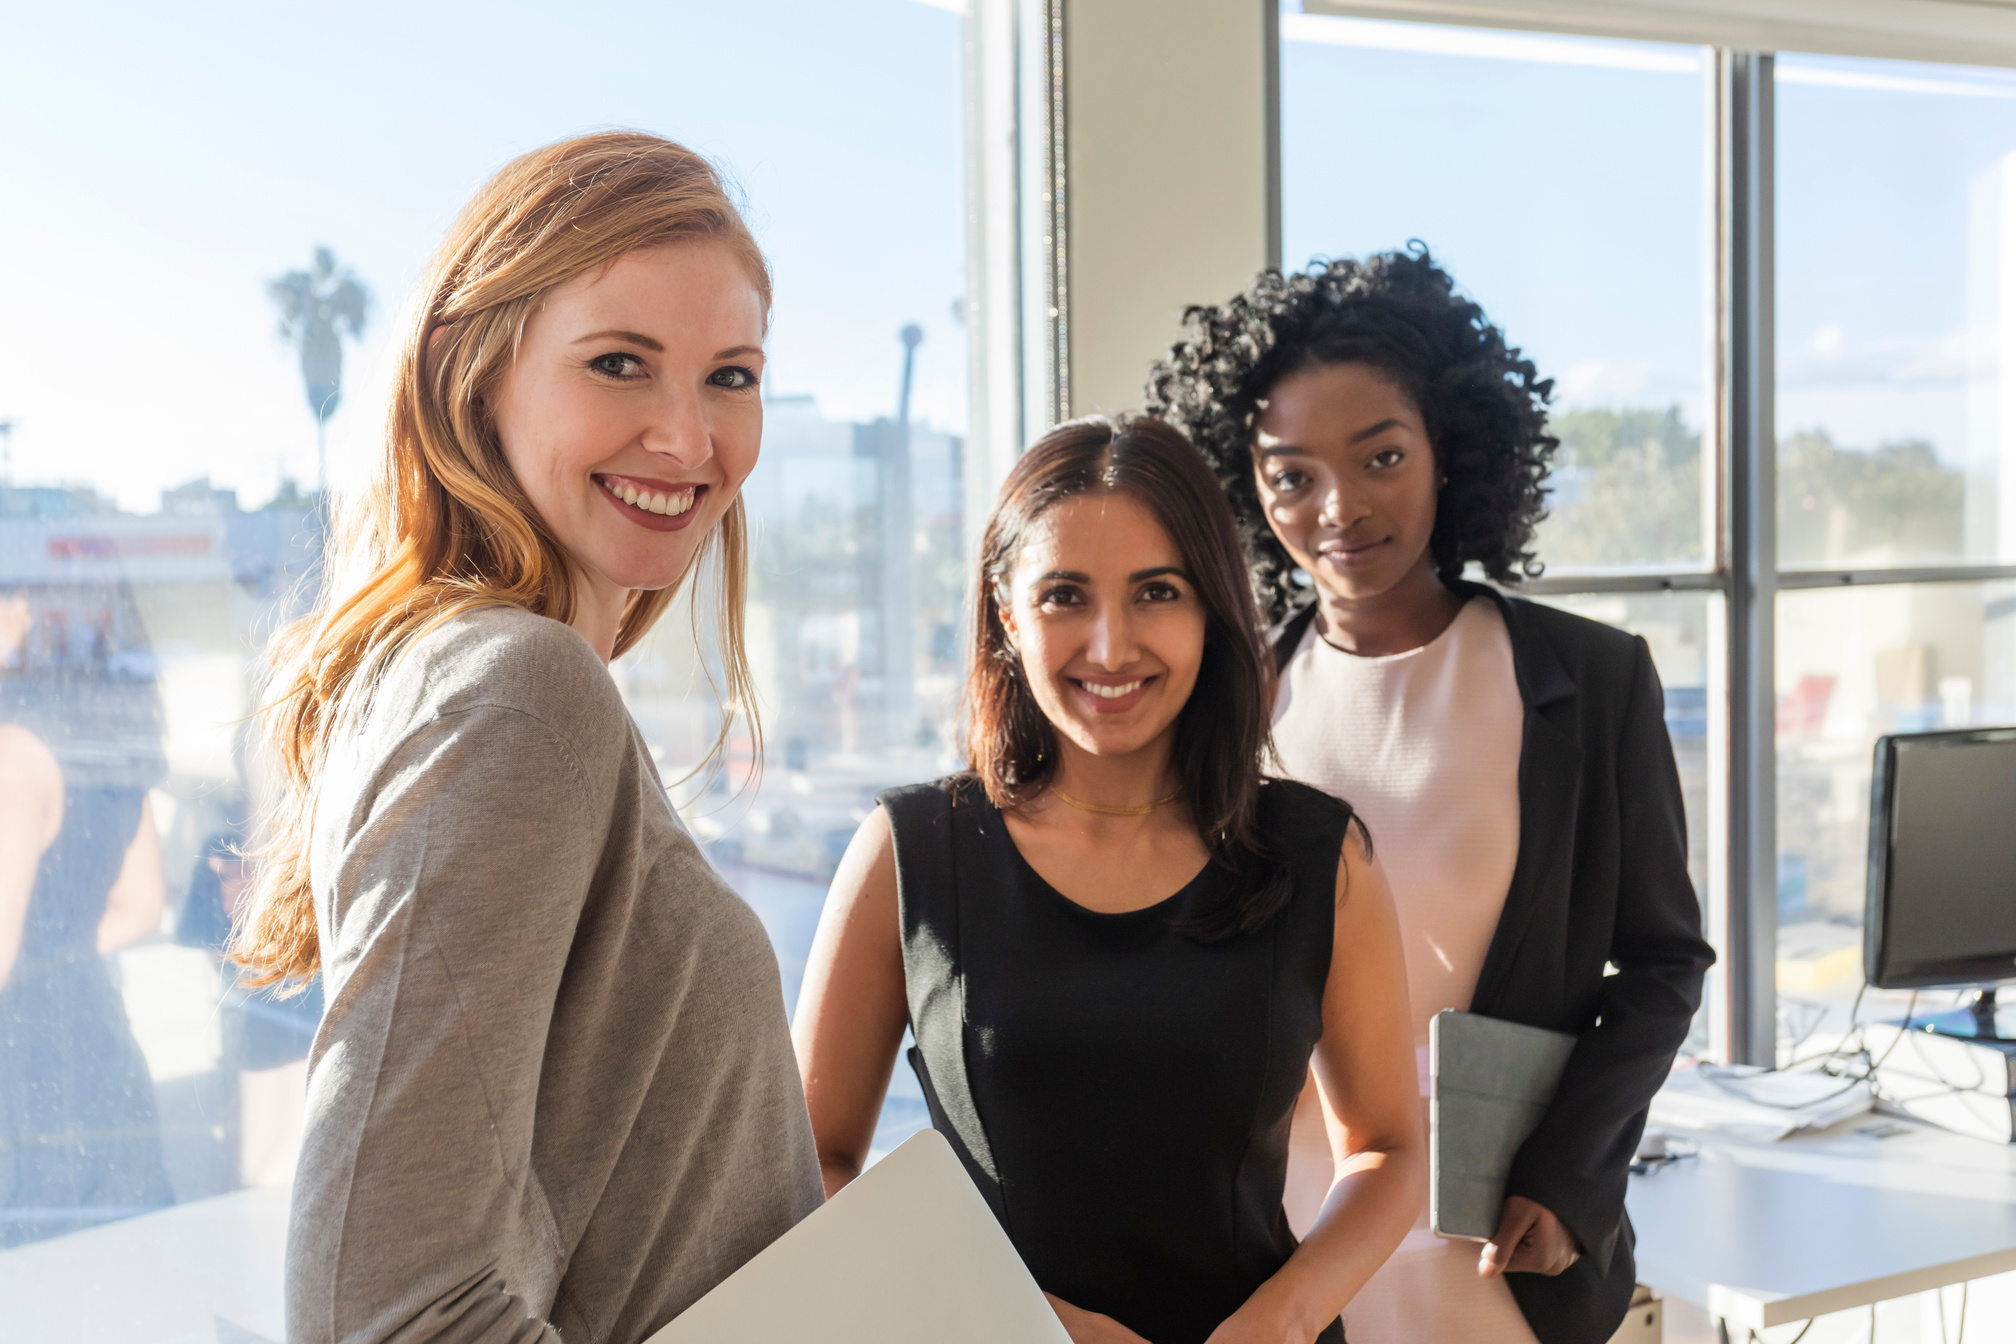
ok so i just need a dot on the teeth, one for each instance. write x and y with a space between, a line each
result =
1111 692
651 502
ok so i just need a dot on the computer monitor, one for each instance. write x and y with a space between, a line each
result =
1942 867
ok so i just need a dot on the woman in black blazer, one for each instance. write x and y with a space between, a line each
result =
1376 434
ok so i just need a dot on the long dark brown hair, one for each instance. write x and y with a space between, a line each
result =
1222 730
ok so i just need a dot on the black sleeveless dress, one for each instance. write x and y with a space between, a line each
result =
80 1143
1120 1092
80 1137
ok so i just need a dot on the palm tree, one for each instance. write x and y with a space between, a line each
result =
316 307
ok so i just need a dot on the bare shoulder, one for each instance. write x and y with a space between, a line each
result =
26 760
1358 871
868 868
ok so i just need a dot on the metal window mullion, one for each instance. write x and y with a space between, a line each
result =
1863 578
1056 211
1270 17
1750 555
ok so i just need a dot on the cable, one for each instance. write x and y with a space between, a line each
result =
1943 1085
1854 1026
1721 1076
1795 1339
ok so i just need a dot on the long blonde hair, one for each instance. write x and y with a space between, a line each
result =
444 527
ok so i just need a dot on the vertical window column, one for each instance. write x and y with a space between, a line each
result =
1748 1026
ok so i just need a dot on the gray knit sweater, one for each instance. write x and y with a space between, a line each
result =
554 1091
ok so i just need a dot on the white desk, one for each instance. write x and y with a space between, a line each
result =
1765 1233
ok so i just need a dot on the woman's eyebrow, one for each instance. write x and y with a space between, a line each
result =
1380 428
631 337
1141 574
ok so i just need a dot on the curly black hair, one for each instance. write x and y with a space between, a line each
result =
1482 403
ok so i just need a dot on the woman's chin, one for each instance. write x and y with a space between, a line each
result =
1352 587
660 567
1110 741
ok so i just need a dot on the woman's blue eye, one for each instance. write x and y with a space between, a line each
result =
616 365
734 377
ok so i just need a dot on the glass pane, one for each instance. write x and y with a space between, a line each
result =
1896 274
1578 222
1853 664
160 507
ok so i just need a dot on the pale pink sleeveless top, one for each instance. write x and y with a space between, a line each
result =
1425 745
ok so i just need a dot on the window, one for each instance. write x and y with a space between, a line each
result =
1896 270
1896 302
1853 664
1560 180
1566 183
161 499
1578 222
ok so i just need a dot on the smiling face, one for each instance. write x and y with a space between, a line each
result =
1102 610
632 413
1347 479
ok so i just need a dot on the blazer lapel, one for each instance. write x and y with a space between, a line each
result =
1550 767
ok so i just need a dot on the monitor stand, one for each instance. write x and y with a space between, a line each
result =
1976 1021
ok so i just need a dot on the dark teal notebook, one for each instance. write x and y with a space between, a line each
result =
1490 1083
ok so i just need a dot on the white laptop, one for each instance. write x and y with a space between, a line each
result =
907 1254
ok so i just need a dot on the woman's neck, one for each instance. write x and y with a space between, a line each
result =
1406 616
1123 783
598 612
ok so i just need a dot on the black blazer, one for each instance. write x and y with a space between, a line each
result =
1601 877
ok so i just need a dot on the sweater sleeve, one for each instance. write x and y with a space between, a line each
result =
416 1214
1577 1161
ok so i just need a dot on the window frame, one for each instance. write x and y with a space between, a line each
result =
1040 127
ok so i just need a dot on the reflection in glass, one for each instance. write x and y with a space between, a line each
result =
1896 318
1577 220
1854 664
80 875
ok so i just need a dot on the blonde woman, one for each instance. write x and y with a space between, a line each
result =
554 1092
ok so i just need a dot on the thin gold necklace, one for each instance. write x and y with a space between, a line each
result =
1114 811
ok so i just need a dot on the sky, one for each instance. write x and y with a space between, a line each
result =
1563 181
159 165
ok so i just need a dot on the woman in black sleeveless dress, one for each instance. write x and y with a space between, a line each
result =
80 874
1115 942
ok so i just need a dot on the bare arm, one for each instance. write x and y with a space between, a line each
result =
851 1010
1372 1111
31 813
133 906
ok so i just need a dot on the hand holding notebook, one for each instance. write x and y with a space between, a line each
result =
1491 1082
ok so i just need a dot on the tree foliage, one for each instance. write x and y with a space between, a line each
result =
1627 491
1839 505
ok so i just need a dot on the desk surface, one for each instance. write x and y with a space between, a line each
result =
1765 1233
